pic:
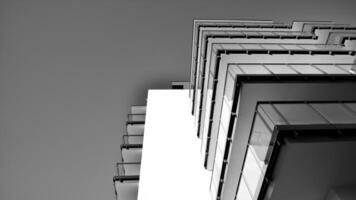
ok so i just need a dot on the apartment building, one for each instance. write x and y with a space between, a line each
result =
272 107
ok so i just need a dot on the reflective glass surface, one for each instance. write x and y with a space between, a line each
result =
335 113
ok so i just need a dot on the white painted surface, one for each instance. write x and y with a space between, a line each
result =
171 166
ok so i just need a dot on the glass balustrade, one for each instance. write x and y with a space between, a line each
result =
127 171
132 139
136 117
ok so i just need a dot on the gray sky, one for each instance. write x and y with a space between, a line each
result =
69 71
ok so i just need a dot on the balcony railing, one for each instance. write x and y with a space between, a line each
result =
132 139
136 117
127 171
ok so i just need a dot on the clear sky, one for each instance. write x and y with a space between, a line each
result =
70 69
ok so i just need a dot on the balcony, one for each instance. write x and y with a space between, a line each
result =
127 171
126 180
131 149
135 124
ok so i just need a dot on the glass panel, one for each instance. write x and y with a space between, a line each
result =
252 174
299 114
197 94
330 69
351 106
207 113
218 159
213 190
291 46
222 139
252 33
312 47
251 46
261 163
254 69
281 69
271 46
285 33
138 109
268 33
348 68
260 138
201 63
131 155
206 120
306 69
136 117
243 193
335 113
197 99
133 139
212 60
135 129
209 97
215 180
225 115
127 169
132 169
270 115
229 90
235 69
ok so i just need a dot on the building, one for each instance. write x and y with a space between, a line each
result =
274 109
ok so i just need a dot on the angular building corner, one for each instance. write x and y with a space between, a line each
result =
274 117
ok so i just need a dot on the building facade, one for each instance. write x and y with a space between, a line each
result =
274 110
